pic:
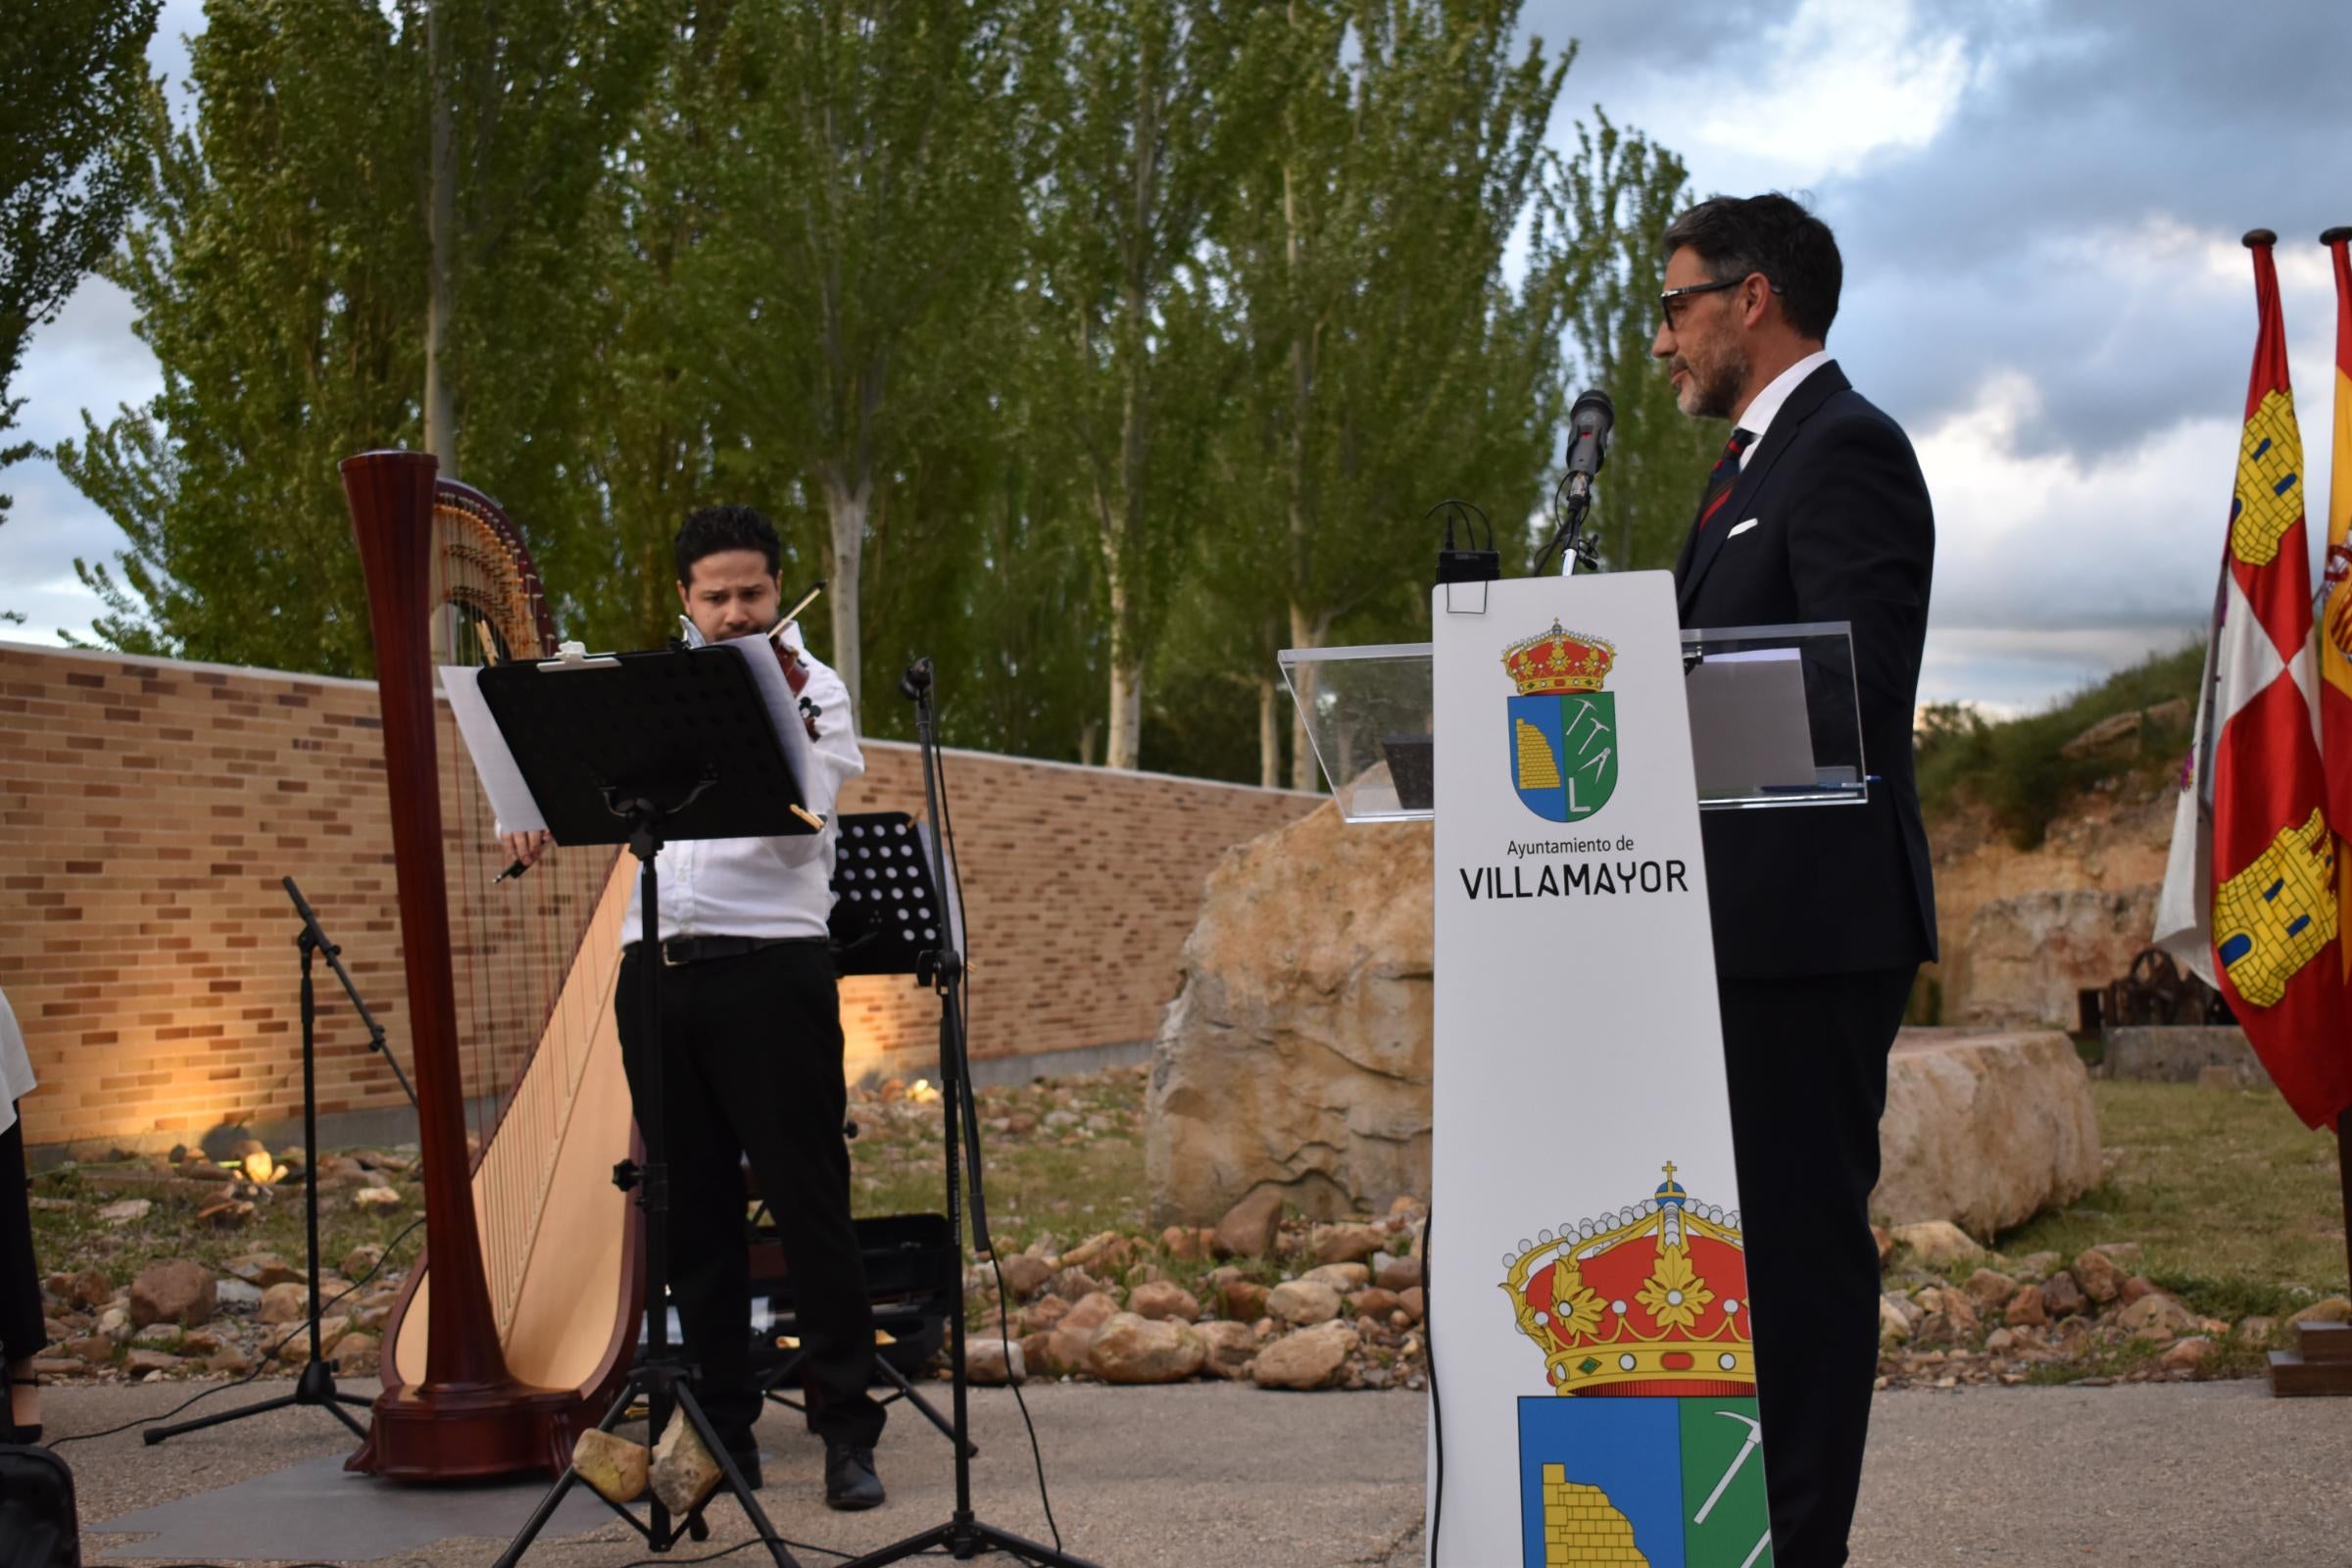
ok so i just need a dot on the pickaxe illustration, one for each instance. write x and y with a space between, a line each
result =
1755 1434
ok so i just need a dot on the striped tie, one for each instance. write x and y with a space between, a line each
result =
1721 476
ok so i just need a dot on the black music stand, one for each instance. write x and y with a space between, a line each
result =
642 749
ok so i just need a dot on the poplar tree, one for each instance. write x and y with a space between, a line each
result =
70 75
865 211
1150 107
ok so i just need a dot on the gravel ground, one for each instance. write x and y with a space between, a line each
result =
2209 1475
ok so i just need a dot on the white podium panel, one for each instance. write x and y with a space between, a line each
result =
1588 1308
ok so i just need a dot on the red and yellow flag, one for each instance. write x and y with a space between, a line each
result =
2253 878
2336 592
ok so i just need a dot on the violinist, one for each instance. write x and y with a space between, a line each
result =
751 1049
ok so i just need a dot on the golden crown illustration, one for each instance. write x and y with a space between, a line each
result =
1651 1299
1559 662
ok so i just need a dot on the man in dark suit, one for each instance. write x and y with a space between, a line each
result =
1815 512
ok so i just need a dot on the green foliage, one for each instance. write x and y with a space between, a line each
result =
1622 191
278 264
70 74
273 260
1095 351
2018 769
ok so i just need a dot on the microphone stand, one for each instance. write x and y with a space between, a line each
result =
1569 537
318 1382
963 1534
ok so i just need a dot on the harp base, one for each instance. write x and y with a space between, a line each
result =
430 1433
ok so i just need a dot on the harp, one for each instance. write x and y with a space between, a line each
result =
518 1320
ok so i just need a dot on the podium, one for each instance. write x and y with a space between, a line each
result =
1593 1375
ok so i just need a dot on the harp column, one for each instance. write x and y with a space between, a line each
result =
391 498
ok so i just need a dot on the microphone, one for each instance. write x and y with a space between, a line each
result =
1589 422
916 680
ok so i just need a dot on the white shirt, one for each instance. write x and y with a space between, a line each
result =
1757 417
779 887
16 1065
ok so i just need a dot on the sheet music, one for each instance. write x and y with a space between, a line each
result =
783 708
510 800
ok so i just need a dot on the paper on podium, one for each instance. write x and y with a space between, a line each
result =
1749 734
510 799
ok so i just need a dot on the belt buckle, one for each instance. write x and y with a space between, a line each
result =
669 962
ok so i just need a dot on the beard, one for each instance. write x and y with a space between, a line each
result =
1712 383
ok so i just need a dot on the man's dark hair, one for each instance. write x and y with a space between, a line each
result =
710 529
1772 234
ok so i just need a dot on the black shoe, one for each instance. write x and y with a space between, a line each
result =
850 1483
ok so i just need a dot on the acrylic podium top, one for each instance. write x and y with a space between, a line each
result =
1774 721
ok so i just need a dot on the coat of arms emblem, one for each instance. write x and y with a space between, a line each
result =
1563 726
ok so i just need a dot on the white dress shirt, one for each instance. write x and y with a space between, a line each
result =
16 1065
1757 417
777 887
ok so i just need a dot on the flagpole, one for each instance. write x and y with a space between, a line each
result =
2336 240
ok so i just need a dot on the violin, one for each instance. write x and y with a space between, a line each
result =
795 669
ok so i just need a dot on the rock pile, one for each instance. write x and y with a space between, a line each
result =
1952 1313
1314 1306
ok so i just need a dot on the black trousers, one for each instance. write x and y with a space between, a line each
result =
1806 1064
23 1330
752 1065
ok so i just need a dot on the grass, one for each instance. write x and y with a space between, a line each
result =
1059 1184
2234 1203
2018 769
70 1240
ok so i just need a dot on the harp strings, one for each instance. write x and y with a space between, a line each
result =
513 944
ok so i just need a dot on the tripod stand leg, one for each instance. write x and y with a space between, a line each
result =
691 1409
156 1435
897 1379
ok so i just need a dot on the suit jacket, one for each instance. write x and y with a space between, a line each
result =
1845 531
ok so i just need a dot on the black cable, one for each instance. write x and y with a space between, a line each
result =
318 1310
1036 1454
1429 1355
947 829
713 1556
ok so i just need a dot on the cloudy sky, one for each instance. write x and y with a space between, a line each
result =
2039 202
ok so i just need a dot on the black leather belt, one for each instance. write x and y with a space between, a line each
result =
694 950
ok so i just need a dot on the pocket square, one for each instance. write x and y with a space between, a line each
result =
1740 528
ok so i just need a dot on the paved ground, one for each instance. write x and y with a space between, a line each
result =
2192 1476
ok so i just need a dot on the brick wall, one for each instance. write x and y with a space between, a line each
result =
148 808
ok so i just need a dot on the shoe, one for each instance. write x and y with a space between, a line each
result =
850 1483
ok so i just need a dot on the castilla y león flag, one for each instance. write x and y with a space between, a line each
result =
2250 894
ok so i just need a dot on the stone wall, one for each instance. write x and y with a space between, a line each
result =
148 807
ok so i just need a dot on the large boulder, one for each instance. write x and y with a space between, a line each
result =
1985 1130
1296 1056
